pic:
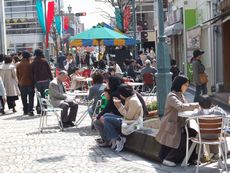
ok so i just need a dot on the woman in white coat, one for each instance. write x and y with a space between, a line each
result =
8 74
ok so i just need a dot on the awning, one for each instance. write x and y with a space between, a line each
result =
175 29
222 17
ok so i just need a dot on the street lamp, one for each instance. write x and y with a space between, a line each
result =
134 28
69 9
163 76
67 43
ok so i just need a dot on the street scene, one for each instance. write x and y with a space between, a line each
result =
114 86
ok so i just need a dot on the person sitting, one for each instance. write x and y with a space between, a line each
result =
132 113
58 98
147 75
206 108
69 64
130 70
172 135
96 91
113 83
75 84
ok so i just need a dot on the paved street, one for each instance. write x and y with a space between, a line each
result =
23 149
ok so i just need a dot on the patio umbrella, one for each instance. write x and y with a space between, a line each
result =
100 35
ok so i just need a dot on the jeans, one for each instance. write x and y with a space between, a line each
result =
27 91
200 90
112 126
41 87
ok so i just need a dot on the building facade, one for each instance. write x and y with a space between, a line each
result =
23 30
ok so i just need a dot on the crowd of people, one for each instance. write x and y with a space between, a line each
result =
22 73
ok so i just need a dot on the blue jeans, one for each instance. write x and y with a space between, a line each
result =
27 91
112 126
200 90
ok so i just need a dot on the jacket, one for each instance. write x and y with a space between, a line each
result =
41 70
24 73
197 68
132 112
171 124
56 93
9 79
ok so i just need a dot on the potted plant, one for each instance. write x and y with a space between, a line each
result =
152 108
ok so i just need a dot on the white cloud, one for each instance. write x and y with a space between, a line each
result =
94 11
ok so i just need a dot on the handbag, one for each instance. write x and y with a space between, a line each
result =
203 78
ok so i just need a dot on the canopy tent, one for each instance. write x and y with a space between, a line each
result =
100 35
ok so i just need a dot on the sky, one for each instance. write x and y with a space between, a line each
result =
94 11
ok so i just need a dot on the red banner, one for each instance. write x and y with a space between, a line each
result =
49 20
126 18
66 23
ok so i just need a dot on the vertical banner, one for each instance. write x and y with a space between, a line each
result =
126 18
119 19
40 13
66 23
58 24
49 20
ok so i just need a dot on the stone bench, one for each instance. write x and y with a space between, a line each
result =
143 143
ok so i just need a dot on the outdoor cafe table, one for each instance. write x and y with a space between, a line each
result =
189 115
135 85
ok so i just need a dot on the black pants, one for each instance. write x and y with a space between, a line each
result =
27 91
71 116
177 155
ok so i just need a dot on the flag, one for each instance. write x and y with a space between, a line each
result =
49 20
40 13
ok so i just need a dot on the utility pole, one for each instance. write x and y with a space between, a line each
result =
163 76
134 28
2 28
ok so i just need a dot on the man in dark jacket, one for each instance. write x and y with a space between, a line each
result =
25 82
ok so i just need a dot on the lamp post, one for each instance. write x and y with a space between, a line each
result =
134 28
2 29
60 15
67 43
163 76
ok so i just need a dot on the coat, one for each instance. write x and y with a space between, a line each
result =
197 68
9 79
24 73
171 124
132 112
57 95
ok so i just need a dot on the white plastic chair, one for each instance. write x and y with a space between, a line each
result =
47 107
211 131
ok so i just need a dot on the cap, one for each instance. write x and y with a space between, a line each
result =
197 53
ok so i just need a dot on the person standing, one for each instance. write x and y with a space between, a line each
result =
198 69
60 60
41 74
25 82
174 69
9 78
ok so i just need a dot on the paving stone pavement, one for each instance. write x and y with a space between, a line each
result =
23 149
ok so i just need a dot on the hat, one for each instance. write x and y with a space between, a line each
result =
197 53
